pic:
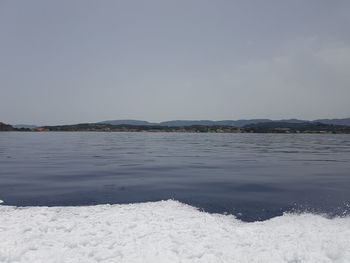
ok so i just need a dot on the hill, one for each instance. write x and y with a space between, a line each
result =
304 127
265 127
128 122
234 123
345 121
6 127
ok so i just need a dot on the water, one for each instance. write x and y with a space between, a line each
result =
253 176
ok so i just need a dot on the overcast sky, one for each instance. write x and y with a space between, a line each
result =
85 61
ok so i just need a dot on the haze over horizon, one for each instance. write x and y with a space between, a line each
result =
66 62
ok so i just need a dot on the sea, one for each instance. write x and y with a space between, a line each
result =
252 176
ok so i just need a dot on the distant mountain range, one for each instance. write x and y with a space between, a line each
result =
235 123
271 127
262 127
128 122
226 126
345 122
185 123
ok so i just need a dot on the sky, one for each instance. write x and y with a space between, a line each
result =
73 61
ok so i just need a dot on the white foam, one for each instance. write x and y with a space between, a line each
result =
166 231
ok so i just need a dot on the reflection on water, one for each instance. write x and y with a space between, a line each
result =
254 176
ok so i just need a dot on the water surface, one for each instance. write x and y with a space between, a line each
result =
254 176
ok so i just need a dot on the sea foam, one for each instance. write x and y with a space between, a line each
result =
166 231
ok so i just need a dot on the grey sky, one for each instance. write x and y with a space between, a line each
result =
84 61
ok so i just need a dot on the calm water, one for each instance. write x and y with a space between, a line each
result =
254 176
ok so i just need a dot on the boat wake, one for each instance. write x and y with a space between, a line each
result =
166 231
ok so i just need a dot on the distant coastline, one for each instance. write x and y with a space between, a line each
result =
259 127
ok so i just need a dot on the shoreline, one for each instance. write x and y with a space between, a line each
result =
177 131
